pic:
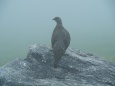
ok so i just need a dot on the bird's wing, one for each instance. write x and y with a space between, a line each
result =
66 39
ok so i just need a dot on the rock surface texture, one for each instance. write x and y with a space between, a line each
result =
76 68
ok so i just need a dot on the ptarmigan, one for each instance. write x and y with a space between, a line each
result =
60 41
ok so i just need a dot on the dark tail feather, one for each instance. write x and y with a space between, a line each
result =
57 59
58 50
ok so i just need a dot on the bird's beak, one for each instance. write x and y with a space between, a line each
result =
53 19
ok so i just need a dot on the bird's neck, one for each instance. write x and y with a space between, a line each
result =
59 23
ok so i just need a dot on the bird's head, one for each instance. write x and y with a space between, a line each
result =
57 19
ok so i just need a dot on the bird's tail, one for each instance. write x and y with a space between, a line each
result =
59 50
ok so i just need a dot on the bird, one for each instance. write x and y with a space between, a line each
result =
60 41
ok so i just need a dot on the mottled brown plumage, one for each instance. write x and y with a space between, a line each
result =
60 41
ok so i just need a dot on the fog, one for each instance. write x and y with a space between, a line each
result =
91 24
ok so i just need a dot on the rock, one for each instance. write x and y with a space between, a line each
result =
76 68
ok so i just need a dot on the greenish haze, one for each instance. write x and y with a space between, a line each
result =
91 24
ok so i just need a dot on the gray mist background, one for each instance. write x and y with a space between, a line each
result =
91 24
